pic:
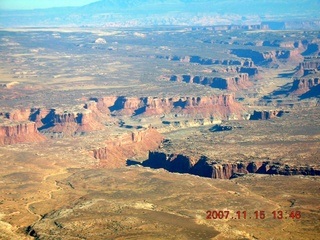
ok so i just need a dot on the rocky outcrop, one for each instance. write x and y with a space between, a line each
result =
67 123
117 150
18 114
103 104
12 132
97 112
220 106
265 115
207 61
264 58
229 83
251 71
186 164
303 85
306 87
310 64
39 116
204 167
281 43
307 67
81 119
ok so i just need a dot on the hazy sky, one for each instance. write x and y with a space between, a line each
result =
32 4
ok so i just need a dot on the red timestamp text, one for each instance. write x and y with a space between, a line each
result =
277 214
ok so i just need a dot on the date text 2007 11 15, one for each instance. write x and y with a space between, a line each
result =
278 214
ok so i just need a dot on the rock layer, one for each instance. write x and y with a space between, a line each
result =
263 58
207 61
230 83
19 132
117 150
220 106
206 168
97 112
303 85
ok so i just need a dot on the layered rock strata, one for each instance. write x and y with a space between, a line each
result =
98 112
70 123
263 58
117 150
207 61
230 83
204 167
220 106
251 71
12 132
303 85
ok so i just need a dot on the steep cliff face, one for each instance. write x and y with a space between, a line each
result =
230 83
281 43
265 115
97 112
70 123
19 132
251 71
220 106
303 85
313 64
118 150
86 119
104 103
207 61
18 114
206 168
263 58
40 115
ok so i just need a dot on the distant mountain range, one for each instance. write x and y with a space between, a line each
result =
163 12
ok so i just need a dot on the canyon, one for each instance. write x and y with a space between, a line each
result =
206 167
136 133
96 113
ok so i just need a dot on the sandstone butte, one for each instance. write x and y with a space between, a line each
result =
19 132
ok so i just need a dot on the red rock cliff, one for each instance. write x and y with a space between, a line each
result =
15 132
70 123
220 106
19 114
118 150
